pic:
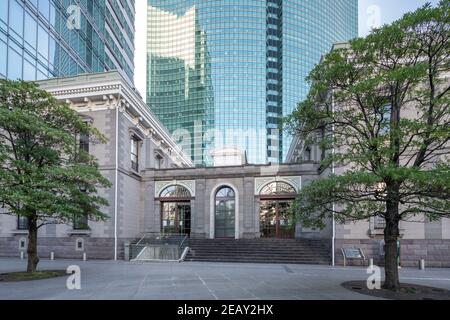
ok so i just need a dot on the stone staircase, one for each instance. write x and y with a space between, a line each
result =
295 251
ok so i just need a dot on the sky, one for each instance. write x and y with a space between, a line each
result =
379 12
371 13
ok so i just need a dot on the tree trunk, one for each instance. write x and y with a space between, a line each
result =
391 234
33 258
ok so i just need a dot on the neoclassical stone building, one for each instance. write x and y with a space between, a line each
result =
155 187
420 238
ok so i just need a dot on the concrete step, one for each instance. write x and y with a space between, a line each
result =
280 261
259 251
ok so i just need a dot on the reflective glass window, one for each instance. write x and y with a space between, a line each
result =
14 65
43 42
4 10
30 30
44 8
29 71
16 11
3 57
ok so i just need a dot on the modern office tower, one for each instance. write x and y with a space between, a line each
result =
231 69
41 39
179 78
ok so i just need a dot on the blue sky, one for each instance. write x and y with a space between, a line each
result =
385 11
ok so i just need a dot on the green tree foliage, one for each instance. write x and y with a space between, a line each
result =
44 175
382 106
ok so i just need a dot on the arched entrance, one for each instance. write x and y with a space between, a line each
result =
275 200
225 207
175 210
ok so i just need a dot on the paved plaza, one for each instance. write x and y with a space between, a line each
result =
208 281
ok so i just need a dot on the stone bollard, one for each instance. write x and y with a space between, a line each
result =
127 250
371 262
84 256
422 264
52 256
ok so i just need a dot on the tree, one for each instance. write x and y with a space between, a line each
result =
381 105
44 174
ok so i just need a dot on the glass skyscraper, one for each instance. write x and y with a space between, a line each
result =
41 39
225 72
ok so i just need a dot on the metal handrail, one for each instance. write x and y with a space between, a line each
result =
182 242
184 254
158 236
143 237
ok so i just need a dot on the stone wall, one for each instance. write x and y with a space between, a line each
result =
436 252
65 247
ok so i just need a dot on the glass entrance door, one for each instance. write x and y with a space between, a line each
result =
176 218
275 221
225 213
225 223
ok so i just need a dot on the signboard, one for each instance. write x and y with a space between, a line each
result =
351 253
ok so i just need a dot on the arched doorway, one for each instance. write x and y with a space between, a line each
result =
275 201
225 206
175 210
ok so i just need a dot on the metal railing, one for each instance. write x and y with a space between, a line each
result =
156 247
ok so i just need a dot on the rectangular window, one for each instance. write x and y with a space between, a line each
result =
14 65
80 222
158 162
30 31
16 12
386 122
84 142
43 43
134 154
4 11
22 223
53 13
3 56
44 8
29 71
379 223
52 55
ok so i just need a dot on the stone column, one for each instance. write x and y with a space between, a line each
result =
156 217
248 199
257 208
149 206
149 154
198 216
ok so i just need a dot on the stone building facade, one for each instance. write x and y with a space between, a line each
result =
419 238
156 189
117 111
152 178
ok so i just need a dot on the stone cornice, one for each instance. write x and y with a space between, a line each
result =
84 91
